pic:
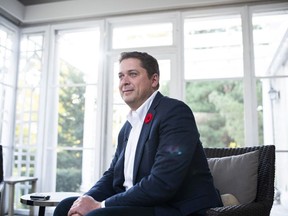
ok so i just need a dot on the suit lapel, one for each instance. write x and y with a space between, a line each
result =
145 134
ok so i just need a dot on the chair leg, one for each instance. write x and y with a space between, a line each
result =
11 199
11 181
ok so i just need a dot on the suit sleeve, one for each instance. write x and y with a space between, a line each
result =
108 185
103 188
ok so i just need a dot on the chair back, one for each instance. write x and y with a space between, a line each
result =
266 172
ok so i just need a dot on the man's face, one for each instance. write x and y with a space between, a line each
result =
134 85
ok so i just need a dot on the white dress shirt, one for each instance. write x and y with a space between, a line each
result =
136 119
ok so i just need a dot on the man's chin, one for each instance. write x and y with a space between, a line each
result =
127 100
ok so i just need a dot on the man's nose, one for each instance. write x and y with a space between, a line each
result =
124 80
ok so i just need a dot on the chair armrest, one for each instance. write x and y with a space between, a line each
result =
1 194
1 188
1 197
14 180
251 209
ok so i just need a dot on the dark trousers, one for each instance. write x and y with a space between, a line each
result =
64 206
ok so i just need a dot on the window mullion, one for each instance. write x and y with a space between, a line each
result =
250 97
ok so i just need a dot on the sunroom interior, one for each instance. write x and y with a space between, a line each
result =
60 110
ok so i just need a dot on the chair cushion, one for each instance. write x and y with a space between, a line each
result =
236 175
229 199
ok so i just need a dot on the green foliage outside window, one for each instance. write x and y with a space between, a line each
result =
70 129
217 105
218 108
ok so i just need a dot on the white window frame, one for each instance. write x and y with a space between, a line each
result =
39 168
249 94
47 136
7 142
172 53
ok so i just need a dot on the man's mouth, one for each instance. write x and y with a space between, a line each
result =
127 90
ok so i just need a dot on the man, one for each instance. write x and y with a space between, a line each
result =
159 168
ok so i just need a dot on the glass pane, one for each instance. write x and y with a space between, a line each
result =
7 85
78 53
281 193
159 34
218 109
71 117
272 104
213 47
270 33
31 58
6 61
7 95
165 74
27 104
76 130
79 50
69 166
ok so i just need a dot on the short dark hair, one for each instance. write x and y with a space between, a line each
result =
147 61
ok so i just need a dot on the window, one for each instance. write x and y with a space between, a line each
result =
57 115
136 36
8 52
155 34
213 78
270 34
77 91
27 125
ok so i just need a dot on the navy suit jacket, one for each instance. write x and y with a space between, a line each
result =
170 169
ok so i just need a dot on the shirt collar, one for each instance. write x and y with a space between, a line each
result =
138 115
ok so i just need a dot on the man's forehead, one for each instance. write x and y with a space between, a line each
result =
131 61
130 64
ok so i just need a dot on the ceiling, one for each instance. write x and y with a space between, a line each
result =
34 2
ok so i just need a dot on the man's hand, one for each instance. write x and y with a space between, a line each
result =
83 205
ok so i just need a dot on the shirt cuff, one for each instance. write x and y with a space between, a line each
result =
103 204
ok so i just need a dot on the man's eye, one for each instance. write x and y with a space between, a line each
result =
133 74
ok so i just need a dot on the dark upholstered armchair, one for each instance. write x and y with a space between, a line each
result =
265 181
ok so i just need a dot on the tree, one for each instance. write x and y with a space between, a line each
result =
70 129
218 108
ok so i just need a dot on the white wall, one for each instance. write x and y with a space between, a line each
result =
78 9
12 7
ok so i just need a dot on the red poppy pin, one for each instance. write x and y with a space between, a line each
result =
148 118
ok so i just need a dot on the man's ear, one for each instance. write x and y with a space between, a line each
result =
155 80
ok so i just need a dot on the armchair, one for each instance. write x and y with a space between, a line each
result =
265 181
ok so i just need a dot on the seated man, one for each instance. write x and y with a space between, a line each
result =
159 168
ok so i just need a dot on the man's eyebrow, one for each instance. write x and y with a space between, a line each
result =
129 71
133 70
